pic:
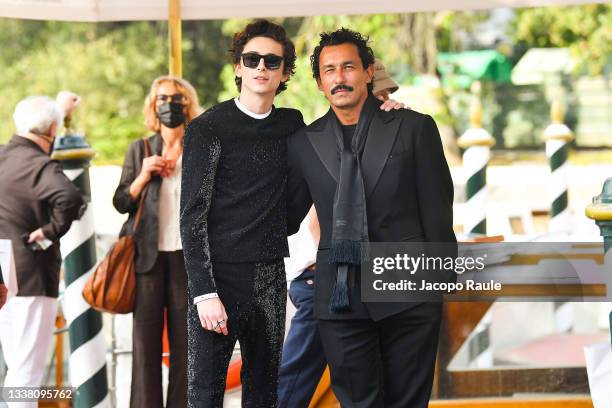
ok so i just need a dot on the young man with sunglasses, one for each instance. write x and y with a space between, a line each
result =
233 224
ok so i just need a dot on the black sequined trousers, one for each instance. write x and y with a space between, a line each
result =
254 296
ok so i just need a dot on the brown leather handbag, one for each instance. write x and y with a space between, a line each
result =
112 285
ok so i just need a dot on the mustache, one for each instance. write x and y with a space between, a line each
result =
341 88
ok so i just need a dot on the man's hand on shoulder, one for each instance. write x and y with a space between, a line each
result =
391 104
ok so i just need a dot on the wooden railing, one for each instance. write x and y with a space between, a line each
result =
526 402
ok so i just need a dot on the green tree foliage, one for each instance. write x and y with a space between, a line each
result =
586 30
111 65
205 54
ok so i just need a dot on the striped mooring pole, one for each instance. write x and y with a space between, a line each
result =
558 136
601 211
477 143
78 246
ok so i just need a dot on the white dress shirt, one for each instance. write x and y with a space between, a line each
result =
302 251
169 238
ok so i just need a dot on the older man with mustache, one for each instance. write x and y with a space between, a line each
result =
373 176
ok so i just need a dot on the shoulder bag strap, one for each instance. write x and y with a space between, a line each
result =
144 191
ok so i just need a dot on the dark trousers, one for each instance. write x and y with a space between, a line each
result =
254 296
164 286
303 360
389 363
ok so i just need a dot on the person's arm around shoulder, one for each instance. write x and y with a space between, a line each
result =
201 153
62 197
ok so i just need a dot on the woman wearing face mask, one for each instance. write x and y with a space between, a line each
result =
161 280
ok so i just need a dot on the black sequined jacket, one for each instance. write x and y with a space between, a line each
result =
233 192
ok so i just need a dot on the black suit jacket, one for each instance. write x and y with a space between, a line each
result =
148 230
409 193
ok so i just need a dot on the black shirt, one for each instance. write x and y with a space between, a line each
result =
233 194
347 132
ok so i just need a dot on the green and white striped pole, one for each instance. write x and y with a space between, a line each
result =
87 343
477 143
601 211
558 136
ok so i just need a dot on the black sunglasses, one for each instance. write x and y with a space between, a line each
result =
176 98
271 61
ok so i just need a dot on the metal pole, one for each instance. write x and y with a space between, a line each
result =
175 38
601 211
558 136
477 143
60 323
87 343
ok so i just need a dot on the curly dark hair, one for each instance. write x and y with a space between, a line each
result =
264 28
343 36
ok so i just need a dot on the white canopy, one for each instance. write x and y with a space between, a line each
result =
125 10
540 63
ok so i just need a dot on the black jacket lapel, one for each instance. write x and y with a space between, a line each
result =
323 140
381 137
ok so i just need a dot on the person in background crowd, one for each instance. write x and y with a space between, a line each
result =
383 84
161 280
39 203
303 360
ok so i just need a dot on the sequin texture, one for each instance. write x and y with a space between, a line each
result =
233 229
254 297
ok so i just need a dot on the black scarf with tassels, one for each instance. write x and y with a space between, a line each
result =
350 221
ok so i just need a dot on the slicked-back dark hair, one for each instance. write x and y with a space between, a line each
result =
264 28
343 36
